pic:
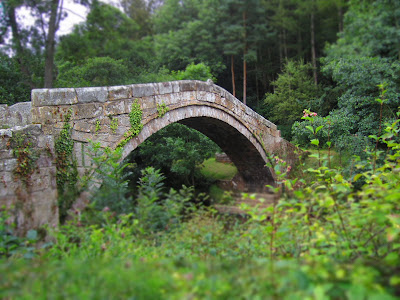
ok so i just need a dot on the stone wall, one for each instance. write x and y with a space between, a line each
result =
222 158
29 192
16 115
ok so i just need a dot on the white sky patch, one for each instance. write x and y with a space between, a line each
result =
76 14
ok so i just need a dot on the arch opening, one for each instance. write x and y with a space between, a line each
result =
235 139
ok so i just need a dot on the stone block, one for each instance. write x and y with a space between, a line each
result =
44 161
146 103
92 94
45 209
63 96
30 130
167 99
204 86
116 107
6 154
176 88
119 92
3 114
18 114
10 164
82 136
187 85
40 182
206 96
164 88
188 96
143 90
49 114
87 111
84 126
45 142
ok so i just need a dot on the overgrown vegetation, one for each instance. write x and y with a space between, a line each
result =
67 171
26 156
335 231
333 235
135 119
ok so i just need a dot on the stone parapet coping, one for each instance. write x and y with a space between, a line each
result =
71 96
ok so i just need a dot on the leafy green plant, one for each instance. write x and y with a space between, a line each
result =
26 156
67 172
162 109
113 124
111 179
135 119
98 127
11 243
157 210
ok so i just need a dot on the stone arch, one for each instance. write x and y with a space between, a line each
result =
228 132
244 135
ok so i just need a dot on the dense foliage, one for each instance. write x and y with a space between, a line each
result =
325 71
325 239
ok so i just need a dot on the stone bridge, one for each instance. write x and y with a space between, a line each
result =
102 114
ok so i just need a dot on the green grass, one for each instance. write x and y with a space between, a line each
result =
219 195
214 170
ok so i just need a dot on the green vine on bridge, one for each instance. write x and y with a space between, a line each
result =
113 124
162 109
135 119
67 172
25 155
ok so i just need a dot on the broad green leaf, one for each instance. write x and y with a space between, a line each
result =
310 128
315 142
357 177
318 128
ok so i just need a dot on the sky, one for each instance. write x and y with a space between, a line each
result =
76 14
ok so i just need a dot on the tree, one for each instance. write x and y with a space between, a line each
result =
294 91
140 12
186 32
178 152
366 55
37 41
98 71
14 85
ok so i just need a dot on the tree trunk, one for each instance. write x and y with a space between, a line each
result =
299 44
233 76
50 45
280 50
313 51
16 39
285 49
340 17
257 87
244 59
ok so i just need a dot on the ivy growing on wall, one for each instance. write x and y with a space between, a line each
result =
113 124
162 109
25 155
67 172
135 119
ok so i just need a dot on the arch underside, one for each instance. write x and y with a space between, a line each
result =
226 131
247 159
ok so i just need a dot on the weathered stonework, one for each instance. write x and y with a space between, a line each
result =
246 137
16 115
32 201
